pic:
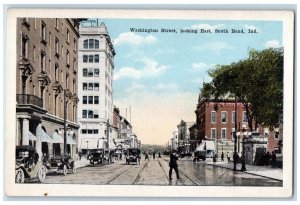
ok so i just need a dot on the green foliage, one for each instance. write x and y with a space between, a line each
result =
256 81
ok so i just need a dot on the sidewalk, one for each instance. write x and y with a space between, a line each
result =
268 172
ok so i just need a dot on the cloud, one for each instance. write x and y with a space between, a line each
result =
196 67
132 38
208 26
162 86
251 27
134 87
272 44
151 69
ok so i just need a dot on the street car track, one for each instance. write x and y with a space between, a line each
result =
163 170
109 181
182 173
140 173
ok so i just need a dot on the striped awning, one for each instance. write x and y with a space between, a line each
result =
43 135
57 138
32 136
70 139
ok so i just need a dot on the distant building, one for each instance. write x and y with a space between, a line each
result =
174 140
46 69
184 136
95 77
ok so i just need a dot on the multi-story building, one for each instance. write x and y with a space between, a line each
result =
47 84
174 140
95 75
184 136
215 120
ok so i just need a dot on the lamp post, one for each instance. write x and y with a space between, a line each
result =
243 152
235 137
87 148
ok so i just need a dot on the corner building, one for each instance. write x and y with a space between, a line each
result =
46 68
96 65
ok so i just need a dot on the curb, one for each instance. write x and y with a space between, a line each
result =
247 172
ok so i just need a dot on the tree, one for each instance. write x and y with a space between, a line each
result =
257 82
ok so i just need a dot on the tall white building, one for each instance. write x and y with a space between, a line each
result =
95 74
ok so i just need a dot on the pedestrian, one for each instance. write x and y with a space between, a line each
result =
228 157
159 155
173 164
268 158
153 155
146 156
222 157
273 159
79 155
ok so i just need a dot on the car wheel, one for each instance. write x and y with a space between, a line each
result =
65 170
20 176
42 174
74 169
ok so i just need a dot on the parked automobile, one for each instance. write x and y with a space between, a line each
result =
183 155
96 156
200 155
60 163
28 165
133 155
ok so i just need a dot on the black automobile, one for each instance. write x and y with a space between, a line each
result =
133 155
96 156
28 165
200 155
60 163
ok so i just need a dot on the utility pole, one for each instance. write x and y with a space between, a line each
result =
107 132
65 123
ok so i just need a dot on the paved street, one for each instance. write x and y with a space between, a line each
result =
155 172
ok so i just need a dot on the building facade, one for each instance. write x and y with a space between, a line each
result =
215 120
95 91
47 84
184 136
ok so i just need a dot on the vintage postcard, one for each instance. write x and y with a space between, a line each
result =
149 103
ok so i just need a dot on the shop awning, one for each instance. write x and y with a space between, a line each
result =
112 145
70 139
43 135
201 146
210 145
32 136
57 138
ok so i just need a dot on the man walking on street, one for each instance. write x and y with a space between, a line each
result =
173 164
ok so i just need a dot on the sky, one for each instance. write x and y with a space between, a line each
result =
159 74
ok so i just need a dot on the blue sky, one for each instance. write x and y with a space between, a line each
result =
160 74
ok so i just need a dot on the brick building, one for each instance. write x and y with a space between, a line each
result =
46 69
215 120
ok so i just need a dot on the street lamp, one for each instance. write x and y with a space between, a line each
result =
87 147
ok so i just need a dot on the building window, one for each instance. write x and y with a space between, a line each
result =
68 35
224 117
232 132
86 44
90 72
91 43
34 53
91 59
96 115
67 81
84 86
24 53
85 58
96 72
68 58
90 99
56 47
56 23
213 133
96 131
91 86
213 117
245 116
223 133
96 58
90 131
90 114
84 113
43 31
43 61
85 71
74 65
75 45
83 131
84 100
96 86
96 44
96 99
233 117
